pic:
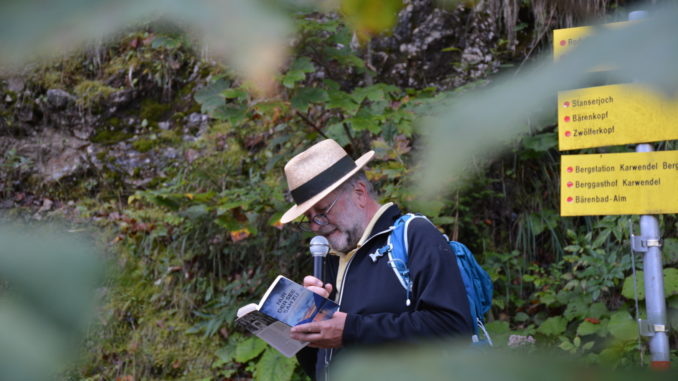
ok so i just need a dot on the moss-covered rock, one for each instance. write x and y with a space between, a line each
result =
153 111
90 93
145 144
109 136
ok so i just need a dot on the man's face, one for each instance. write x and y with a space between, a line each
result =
343 230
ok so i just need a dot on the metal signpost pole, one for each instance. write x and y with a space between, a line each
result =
655 302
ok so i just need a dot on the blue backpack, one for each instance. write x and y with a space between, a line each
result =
476 280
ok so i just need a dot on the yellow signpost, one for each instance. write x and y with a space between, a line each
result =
644 182
564 40
614 115
619 183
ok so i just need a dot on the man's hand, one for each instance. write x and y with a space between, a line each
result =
316 285
321 334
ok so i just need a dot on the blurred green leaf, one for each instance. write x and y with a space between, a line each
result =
587 328
307 95
274 366
622 326
235 114
234 93
45 310
670 284
341 100
195 211
244 33
670 251
479 123
541 142
249 348
297 72
553 326
371 17
209 97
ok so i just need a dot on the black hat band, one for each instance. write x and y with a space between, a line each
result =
323 180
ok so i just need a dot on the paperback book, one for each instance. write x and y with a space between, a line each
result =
284 305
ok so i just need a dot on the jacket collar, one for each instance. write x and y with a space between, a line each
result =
385 221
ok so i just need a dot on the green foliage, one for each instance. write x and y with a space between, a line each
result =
274 366
371 17
553 326
12 169
249 349
670 284
297 72
204 238
91 93
110 136
152 111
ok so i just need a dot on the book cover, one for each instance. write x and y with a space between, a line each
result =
292 304
284 305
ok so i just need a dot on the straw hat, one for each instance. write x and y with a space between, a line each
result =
314 173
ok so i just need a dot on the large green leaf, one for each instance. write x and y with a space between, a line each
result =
541 142
373 93
597 310
622 326
341 100
210 97
273 366
672 311
553 326
297 72
627 289
588 328
670 251
577 308
670 284
499 332
307 95
230 112
249 348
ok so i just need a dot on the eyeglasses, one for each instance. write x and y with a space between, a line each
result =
319 219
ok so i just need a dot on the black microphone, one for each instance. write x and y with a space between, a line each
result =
319 249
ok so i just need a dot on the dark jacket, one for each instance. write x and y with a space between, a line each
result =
374 299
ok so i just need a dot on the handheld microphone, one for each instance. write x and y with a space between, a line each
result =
319 248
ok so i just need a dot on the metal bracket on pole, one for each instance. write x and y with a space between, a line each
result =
641 244
648 329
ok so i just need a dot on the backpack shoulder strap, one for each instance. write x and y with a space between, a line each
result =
398 256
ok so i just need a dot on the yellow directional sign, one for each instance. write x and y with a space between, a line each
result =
614 115
564 40
619 183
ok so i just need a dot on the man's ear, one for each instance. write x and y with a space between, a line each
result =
360 192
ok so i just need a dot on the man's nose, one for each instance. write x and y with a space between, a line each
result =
315 227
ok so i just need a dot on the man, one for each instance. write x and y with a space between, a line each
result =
337 201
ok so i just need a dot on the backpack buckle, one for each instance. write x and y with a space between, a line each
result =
380 252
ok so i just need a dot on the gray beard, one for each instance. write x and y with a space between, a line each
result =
352 237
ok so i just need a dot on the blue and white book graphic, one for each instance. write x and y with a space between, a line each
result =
293 304
284 305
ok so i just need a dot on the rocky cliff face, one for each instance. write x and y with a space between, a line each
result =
438 47
108 111
61 122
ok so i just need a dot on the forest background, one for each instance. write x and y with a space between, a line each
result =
170 162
